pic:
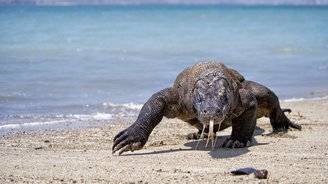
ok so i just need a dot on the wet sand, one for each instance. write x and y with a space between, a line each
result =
84 155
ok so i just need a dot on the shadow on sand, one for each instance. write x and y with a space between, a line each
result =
217 152
157 152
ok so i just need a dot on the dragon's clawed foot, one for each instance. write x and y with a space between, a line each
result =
232 143
195 136
129 139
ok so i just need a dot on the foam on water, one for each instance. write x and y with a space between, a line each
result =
304 99
14 126
124 106
103 112
63 119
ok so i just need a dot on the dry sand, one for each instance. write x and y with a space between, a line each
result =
84 156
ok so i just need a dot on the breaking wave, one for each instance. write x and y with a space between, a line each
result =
304 99
92 114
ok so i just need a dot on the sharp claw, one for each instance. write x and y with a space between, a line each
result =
125 148
122 144
130 147
237 144
119 140
136 146
228 144
116 148
133 147
119 135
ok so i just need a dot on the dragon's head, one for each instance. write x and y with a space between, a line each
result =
212 98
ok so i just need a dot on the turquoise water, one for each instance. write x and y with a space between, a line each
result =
60 64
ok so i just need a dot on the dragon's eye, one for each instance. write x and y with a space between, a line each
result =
224 98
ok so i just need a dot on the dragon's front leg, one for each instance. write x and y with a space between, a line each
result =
136 136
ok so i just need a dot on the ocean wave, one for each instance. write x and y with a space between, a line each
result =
14 96
95 116
293 50
29 124
304 99
100 113
29 120
20 121
324 67
127 106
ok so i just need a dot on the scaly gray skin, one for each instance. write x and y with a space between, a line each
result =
203 92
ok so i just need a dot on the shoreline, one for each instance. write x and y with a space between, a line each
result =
84 155
80 121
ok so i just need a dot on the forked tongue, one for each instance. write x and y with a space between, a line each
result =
211 134
201 136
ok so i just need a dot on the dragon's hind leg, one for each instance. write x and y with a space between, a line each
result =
280 122
268 105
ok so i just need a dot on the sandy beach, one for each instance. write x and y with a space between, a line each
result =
84 155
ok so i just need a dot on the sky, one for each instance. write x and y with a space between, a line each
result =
241 2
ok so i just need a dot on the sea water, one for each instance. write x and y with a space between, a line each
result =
80 64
